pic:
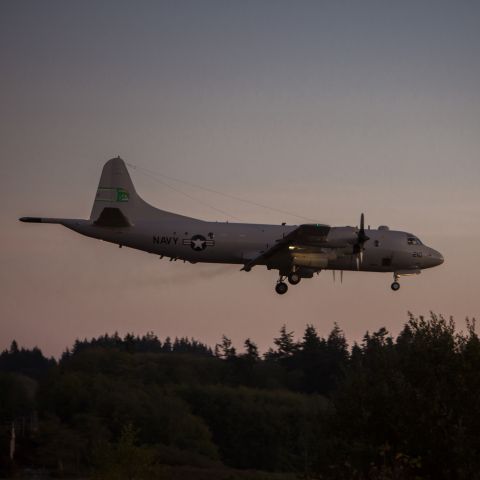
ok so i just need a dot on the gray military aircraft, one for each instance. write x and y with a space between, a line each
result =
120 216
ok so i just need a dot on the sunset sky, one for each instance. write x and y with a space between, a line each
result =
322 108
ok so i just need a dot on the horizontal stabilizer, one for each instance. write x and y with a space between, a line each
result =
31 219
112 217
61 221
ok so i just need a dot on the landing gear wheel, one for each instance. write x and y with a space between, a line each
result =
281 288
294 278
395 286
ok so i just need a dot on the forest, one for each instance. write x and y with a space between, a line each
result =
142 407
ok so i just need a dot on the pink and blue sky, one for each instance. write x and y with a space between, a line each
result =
325 108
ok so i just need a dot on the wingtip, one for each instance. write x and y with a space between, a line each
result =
30 219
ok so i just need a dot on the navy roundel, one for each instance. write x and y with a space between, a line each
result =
198 243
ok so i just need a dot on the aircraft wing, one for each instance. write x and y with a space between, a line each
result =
307 235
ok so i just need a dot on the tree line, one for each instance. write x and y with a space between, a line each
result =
309 407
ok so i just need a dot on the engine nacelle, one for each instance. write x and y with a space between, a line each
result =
313 260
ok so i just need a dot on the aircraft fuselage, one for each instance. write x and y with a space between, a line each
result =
236 243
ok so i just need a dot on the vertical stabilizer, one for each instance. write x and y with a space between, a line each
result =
117 204
115 192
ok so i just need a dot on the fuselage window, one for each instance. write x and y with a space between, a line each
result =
413 241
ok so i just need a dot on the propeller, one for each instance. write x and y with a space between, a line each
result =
341 276
362 237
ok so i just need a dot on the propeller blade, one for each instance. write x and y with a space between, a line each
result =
361 239
362 236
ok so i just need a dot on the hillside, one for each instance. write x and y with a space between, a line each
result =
141 407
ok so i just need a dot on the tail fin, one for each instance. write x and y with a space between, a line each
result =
116 195
117 204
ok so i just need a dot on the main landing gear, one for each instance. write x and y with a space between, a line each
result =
281 287
395 286
293 279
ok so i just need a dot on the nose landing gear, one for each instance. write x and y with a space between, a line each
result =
395 286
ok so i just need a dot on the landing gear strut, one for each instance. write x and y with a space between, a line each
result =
281 287
395 286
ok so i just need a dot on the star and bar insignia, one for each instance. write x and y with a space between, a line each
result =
199 242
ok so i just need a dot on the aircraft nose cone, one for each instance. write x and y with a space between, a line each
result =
437 258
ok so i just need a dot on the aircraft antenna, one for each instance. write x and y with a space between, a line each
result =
191 197
155 175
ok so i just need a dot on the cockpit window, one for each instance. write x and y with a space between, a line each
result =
413 241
